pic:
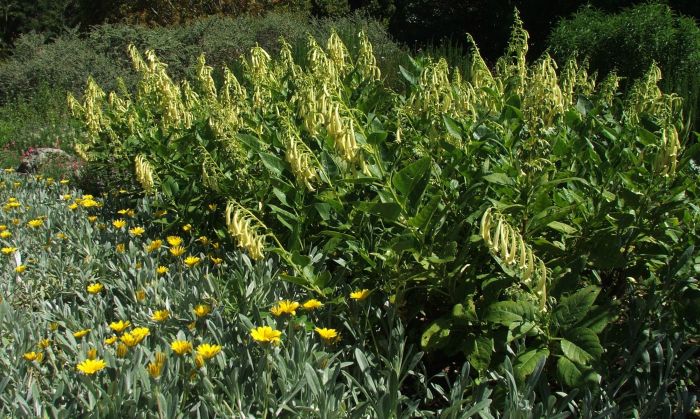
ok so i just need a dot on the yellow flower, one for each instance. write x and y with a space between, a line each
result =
9 170
5 234
154 369
128 212
66 197
95 288
49 181
359 295
328 335
64 181
204 240
202 310
33 356
44 343
216 261
192 325
177 251
20 268
154 245
187 227
8 250
199 361
73 206
122 350
91 366
61 236
216 245
160 213
141 295
119 224
119 326
92 353
134 337
88 203
285 307
121 248
160 315
15 221
111 340
174 240
81 333
53 326
212 207
191 261
36 223
137 231
181 347
312 304
208 351
92 218
162 270
3 227
266 334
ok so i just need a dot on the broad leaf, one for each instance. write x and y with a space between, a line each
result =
573 308
526 362
509 313
411 181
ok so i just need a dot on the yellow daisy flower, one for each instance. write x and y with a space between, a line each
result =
266 334
95 288
119 326
285 307
8 250
359 295
5 234
119 224
35 223
20 268
202 310
33 356
91 366
137 231
181 347
312 304
191 261
162 270
154 245
177 251
111 340
81 333
174 240
160 315
328 335
208 351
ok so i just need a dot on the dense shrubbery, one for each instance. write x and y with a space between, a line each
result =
526 220
630 41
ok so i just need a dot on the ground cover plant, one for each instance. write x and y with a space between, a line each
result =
524 233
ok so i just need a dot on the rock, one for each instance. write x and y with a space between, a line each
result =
36 158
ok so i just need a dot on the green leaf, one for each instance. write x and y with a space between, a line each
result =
499 179
562 228
377 137
453 127
586 340
478 351
526 362
389 211
574 352
412 180
408 76
425 213
436 335
573 308
510 313
569 372
272 162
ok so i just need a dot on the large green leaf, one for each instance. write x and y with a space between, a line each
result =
582 345
436 336
389 211
510 313
569 372
573 308
411 182
526 362
478 350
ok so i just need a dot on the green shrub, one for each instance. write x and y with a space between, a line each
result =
628 43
